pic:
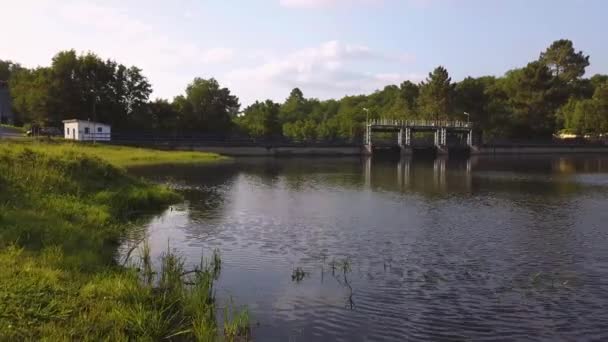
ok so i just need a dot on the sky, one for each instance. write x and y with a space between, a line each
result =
261 49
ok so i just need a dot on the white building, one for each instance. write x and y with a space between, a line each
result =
84 130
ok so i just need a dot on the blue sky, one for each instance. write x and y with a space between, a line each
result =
329 48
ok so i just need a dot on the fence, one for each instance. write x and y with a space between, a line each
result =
96 136
421 123
203 140
222 140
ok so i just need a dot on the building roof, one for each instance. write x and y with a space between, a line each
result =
87 121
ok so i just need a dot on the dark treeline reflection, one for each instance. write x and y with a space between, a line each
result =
529 182
426 176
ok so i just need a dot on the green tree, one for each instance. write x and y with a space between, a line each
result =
157 115
586 116
301 130
470 96
206 107
294 130
135 90
70 96
389 102
328 130
261 119
80 87
435 100
564 62
598 80
409 94
295 107
351 116
600 97
529 102
534 99
7 68
30 93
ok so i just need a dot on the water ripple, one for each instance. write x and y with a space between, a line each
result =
492 252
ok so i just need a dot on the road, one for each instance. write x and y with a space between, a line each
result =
6 132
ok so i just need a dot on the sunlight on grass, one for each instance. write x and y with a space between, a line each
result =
63 211
116 155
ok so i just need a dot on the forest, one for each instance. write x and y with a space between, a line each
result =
548 95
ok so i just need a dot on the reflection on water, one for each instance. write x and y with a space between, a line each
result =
440 249
415 175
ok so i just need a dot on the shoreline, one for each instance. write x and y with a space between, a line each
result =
303 151
64 208
530 150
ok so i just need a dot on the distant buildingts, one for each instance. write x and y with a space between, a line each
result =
84 130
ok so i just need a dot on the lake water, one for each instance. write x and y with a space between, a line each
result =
509 248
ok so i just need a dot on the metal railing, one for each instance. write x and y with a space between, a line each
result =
176 140
96 136
421 123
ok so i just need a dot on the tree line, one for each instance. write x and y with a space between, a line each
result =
546 96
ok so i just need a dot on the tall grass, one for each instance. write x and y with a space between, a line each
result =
62 215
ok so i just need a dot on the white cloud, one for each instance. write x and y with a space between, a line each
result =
121 34
323 3
332 69
217 55
39 29
316 4
45 27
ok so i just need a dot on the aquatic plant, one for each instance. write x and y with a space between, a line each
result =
298 274
345 266
216 263
236 323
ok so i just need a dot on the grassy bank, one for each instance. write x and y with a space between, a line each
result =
63 210
116 155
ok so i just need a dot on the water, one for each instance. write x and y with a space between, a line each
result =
478 249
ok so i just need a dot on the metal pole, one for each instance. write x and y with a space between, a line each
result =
94 118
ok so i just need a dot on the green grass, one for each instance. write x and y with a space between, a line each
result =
120 156
63 211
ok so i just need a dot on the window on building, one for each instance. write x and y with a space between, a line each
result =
67 131
87 130
99 129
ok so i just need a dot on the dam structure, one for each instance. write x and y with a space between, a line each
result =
446 135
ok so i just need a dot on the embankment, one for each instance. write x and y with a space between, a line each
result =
548 149
279 151
354 150
64 209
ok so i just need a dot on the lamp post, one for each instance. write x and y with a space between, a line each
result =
470 133
92 82
94 117
367 128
